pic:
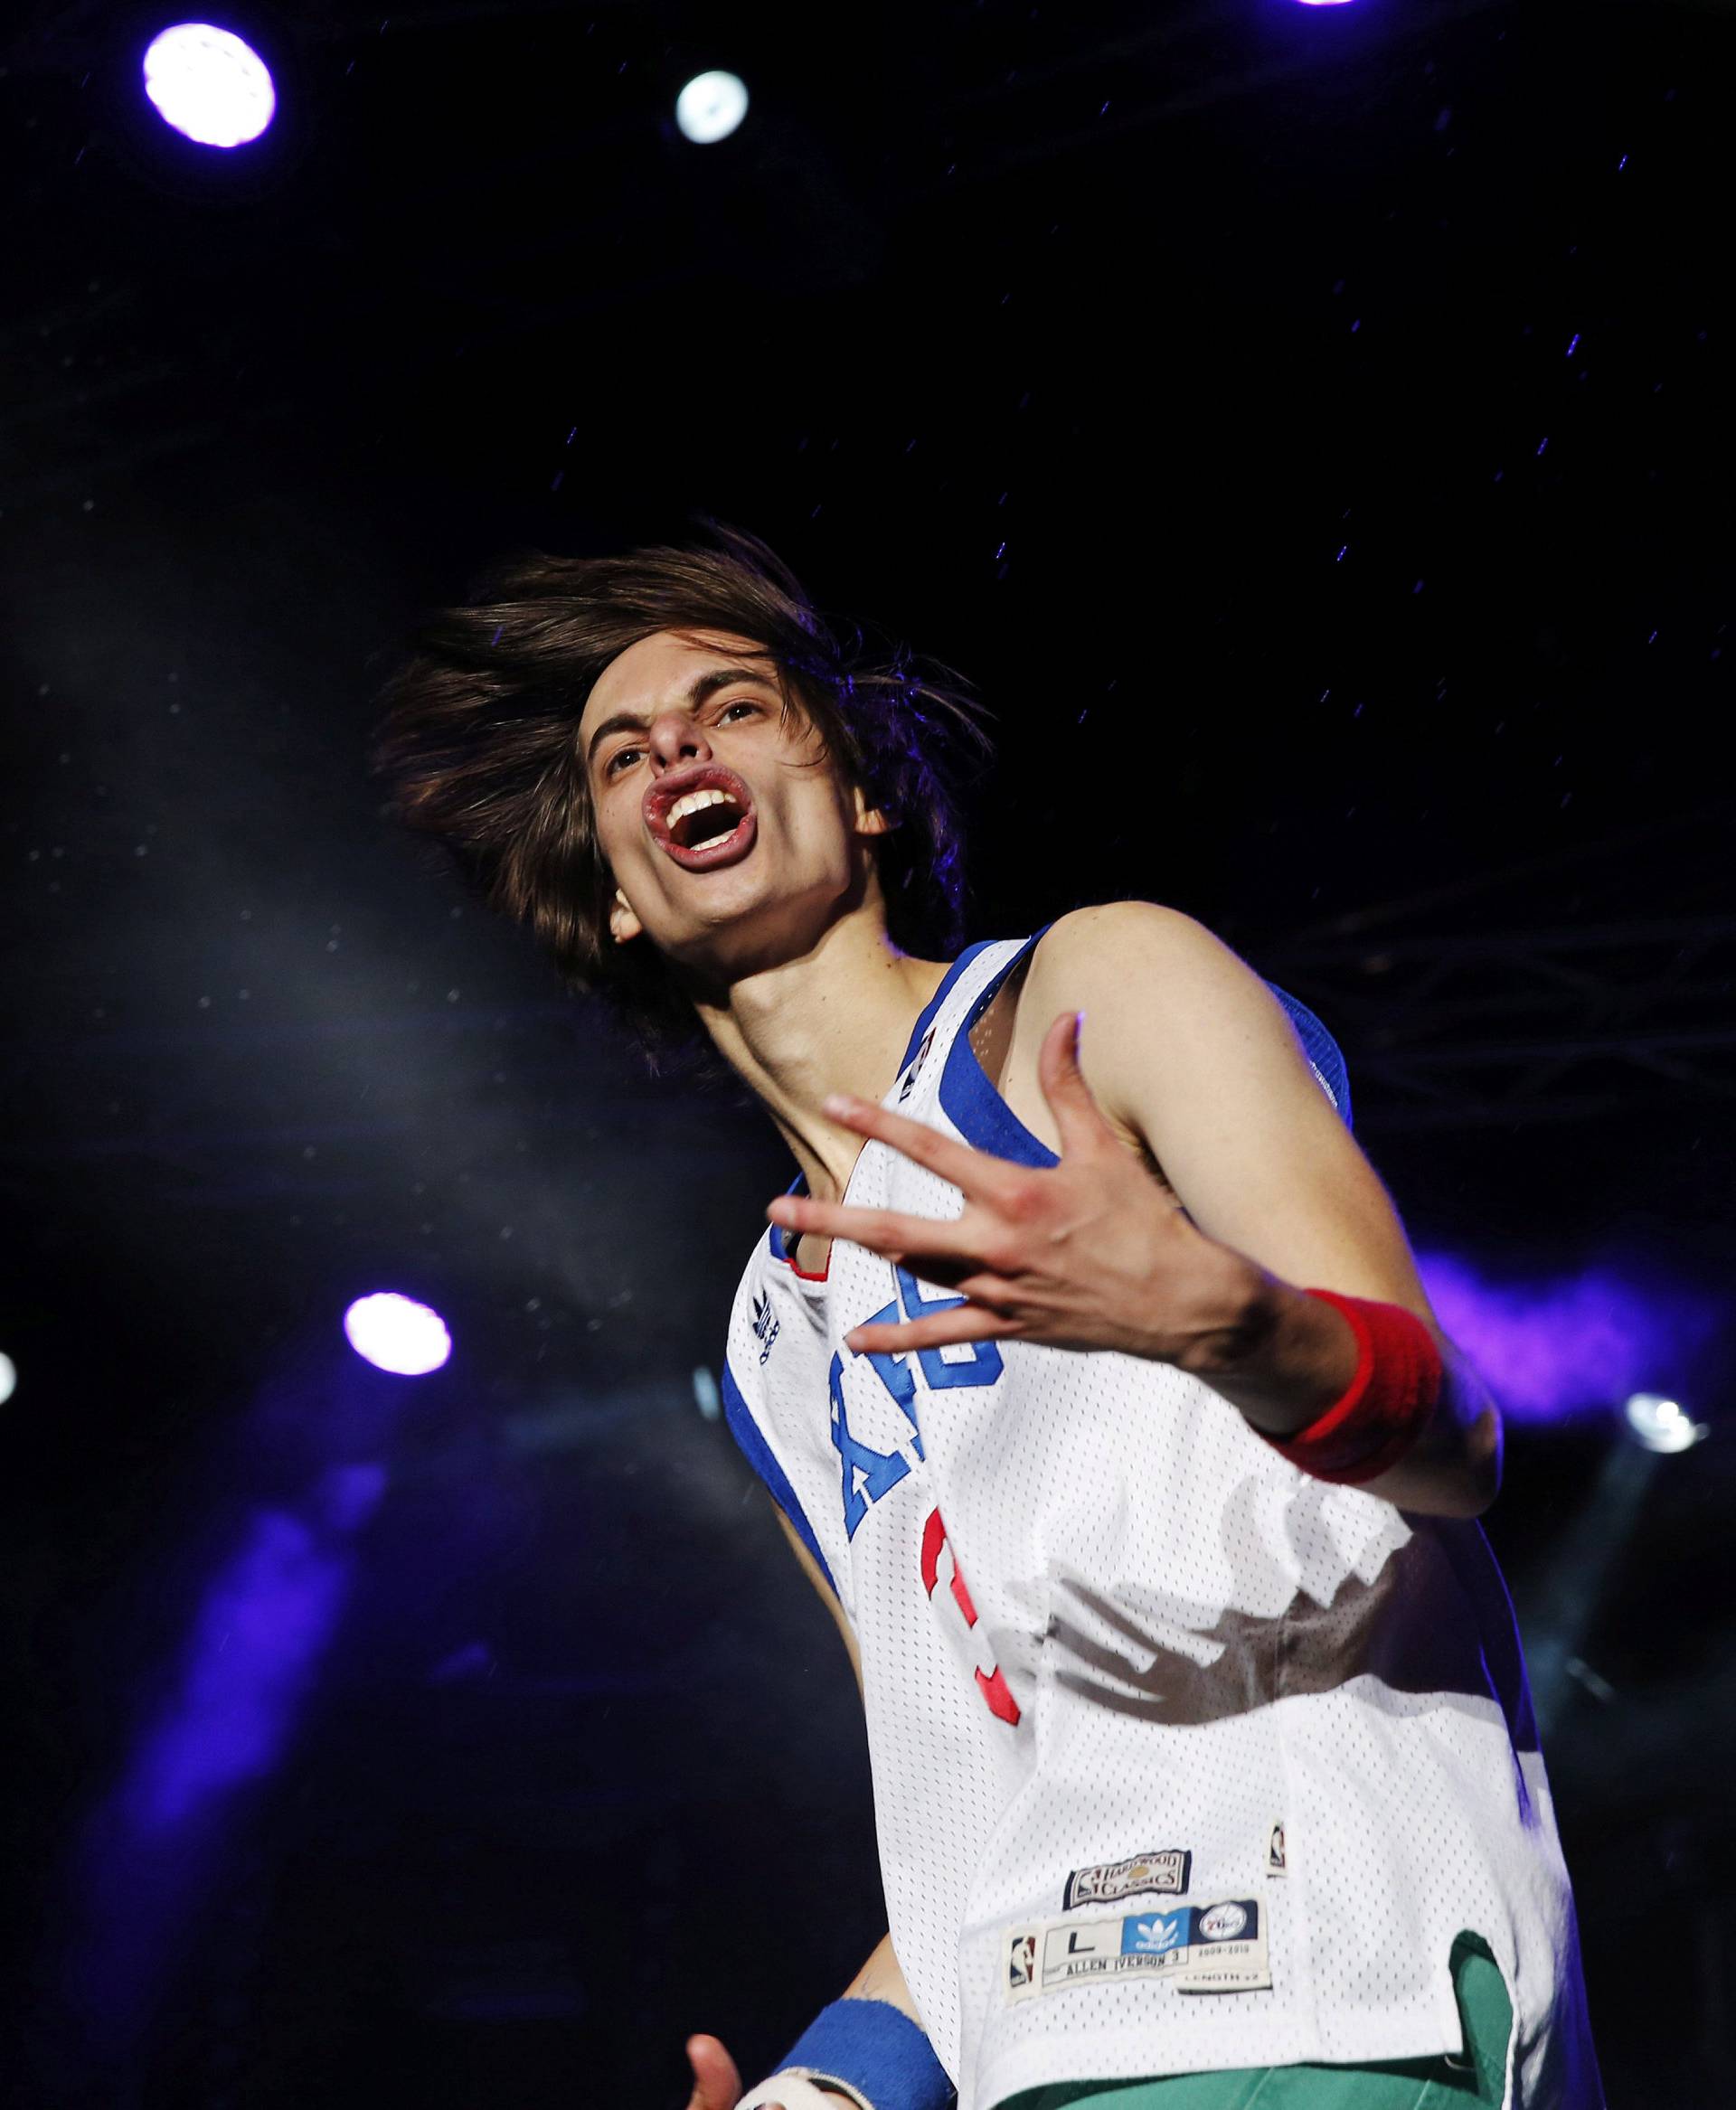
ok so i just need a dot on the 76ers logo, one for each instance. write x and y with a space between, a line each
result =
866 1472
886 1392
939 1559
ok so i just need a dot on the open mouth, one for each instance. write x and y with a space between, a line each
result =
701 818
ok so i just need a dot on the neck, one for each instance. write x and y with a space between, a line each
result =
835 1019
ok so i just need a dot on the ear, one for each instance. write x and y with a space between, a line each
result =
624 926
869 819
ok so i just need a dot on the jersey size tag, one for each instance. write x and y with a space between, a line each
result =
1165 1870
1196 1948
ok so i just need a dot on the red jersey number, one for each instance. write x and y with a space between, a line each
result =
936 1554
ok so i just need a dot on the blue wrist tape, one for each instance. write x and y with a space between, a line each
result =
878 2050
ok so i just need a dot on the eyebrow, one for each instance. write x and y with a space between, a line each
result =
700 690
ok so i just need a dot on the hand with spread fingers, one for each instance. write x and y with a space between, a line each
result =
1091 1253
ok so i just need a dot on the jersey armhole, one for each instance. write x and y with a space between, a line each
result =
1322 1051
750 1440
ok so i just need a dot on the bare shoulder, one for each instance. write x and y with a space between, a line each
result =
1141 952
1172 1012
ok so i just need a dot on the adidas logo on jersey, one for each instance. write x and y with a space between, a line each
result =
765 1327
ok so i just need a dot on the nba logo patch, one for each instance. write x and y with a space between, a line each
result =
1020 1963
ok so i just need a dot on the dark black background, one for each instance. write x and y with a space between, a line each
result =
1310 429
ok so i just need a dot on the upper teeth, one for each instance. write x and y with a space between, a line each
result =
696 801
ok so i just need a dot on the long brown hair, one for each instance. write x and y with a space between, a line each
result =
479 745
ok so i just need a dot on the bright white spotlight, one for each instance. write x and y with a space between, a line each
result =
711 106
8 1378
1660 1424
397 1335
209 84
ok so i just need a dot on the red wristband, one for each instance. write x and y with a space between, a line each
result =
1398 1381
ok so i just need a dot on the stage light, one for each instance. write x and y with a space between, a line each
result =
207 83
8 1378
705 1394
1660 1424
396 1334
711 106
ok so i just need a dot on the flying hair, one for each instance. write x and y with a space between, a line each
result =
477 746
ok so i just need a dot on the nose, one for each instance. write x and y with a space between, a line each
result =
674 739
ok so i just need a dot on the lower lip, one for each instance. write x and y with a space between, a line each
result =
726 849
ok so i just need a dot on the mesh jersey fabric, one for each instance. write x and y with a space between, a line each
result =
1099 1619
1446 2082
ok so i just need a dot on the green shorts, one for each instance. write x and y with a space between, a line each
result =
1477 2075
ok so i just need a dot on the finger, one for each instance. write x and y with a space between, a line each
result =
977 1174
717 2083
881 1230
959 1323
1077 1113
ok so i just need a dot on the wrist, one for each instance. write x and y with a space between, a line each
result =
1277 1354
1227 1316
870 2053
1390 1403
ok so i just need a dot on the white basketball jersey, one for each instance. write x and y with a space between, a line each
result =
1182 1759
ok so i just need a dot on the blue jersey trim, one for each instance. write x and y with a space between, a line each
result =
938 998
757 1451
775 1232
982 1117
1323 1052
799 1185
976 1109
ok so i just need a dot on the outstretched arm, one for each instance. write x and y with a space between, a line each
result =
1204 1184
1188 1051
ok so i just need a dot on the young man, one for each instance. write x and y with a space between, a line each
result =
1088 1367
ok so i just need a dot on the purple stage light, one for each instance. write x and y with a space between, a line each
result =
396 1334
1576 1344
207 83
262 1631
266 1619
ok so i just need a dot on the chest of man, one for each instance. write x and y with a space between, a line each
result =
1006 1041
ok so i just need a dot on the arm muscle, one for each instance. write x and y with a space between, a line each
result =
1186 1048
